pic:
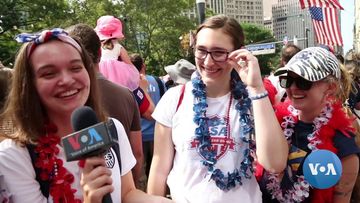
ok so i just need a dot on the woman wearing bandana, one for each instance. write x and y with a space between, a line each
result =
313 119
53 76
203 149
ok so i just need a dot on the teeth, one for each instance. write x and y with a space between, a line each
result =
210 71
298 96
68 93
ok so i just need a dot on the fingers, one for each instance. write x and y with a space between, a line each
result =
92 162
242 57
96 179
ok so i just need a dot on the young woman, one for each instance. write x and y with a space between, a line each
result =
312 119
202 135
53 76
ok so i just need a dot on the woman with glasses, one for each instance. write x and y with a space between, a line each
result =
313 119
203 144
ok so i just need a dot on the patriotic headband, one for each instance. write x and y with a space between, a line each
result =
45 36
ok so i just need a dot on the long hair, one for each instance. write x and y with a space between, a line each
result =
24 106
228 25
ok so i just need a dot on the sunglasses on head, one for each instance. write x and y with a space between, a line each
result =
301 83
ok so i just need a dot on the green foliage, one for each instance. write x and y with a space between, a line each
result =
26 16
255 34
153 28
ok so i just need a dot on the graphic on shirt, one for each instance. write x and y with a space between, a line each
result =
109 159
296 157
221 141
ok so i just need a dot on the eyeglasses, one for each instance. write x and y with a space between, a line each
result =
218 56
301 83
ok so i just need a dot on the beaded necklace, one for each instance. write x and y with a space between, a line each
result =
202 133
52 168
300 190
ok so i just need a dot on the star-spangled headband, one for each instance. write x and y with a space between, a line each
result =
45 36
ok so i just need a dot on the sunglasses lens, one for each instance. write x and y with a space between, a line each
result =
285 82
303 84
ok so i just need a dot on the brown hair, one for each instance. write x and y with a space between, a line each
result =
108 44
24 106
287 53
228 25
88 38
137 60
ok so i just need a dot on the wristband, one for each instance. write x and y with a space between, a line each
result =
259 96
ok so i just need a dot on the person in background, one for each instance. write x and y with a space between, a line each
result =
116 65
179 73
117 100
6 126
286 54
115 62
203 150
156 89
352 66
45 91
313 119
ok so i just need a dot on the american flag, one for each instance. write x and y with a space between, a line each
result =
320 3
326 25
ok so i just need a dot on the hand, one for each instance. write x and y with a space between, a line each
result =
247 67
143 83
95 180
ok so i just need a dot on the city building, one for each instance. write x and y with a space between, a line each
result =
357 26
291 22
247 11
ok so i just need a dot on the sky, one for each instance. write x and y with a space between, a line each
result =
347 23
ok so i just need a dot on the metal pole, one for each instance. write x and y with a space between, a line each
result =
307 37
200 5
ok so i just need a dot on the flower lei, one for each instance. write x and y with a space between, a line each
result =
52 168
301 187
203 136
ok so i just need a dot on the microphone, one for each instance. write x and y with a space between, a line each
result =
90 137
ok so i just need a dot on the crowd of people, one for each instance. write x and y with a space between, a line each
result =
217 131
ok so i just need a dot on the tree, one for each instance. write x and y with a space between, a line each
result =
255 34
25 16
153 28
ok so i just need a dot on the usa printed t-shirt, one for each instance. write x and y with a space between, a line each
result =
188 179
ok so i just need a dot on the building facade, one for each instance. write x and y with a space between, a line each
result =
357 26
247 11
291 22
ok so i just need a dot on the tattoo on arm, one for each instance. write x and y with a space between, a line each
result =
342 189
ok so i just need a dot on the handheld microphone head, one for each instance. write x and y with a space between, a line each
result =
83 117
90 137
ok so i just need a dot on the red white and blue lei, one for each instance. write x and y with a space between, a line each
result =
301 188
230 179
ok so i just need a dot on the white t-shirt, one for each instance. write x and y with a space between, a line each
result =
188 179
111 54
20 177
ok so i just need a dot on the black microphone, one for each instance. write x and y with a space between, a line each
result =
90 137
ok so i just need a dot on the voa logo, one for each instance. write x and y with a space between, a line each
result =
322 169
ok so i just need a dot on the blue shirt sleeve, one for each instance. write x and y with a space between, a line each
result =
346 145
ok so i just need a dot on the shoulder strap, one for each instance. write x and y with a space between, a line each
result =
160 85
115 136
44 184
181 97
